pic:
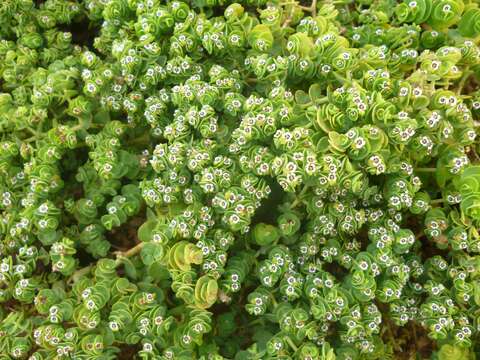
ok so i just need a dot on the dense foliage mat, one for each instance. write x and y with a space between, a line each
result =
255 180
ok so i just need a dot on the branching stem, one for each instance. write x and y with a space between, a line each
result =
126 254
130 252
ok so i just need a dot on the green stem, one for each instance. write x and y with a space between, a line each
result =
323 100
298 199
129 253
83 124
312 8
466 75
291 343
437 201
341 79
274 302
288 19
295 203
30 139
34 132
426 169
126 254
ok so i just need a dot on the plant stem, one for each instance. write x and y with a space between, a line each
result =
85 270
288 19
295 203
426 169
340 78
313 8
34 132
131 252
274 302
291 343
466 75
392 338
305 8
298 199
83 124
414 330
437 201
323 100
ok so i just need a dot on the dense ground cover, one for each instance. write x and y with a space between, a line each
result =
252 180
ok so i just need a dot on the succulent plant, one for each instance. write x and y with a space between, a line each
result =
253 180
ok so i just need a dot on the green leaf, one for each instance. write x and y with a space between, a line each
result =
130 269
301 97
152 252
48 237
145 231
158 272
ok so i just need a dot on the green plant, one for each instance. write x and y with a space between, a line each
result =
252 180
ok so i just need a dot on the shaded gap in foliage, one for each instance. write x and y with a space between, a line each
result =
125 236
83 32
268 210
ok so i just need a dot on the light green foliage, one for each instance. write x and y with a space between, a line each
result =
256 180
